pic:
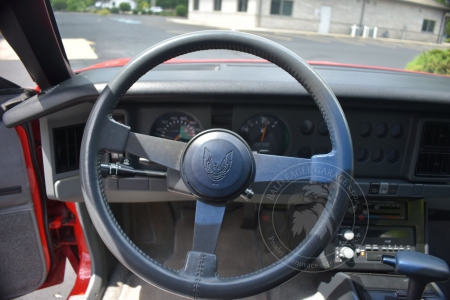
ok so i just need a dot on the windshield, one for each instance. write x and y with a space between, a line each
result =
402 34
382 33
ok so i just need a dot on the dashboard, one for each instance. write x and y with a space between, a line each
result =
398 122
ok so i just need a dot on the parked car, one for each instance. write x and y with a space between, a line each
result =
156 9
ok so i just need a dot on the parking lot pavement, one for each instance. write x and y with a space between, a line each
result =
90 38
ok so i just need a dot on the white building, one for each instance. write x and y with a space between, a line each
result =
421 20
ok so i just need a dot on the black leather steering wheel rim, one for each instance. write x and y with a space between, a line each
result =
199 279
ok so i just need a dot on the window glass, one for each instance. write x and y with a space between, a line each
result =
196 4
217 4
275 7
428 25
284 8
287 8
242 5
11 68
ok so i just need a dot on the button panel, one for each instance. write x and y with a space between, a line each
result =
383 188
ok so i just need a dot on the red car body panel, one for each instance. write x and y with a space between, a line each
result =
84 269
123 61
35 193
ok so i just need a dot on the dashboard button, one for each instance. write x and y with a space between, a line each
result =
365 129
361 155
393 187
322 129
397 131
307 127
377 155
346 252
347 235
374 188
393 156
384 187
381 130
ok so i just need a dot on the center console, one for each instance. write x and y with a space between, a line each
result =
374 228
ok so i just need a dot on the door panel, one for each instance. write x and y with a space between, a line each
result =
23 265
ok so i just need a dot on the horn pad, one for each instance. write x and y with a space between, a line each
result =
217 165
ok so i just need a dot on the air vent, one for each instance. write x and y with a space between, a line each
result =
436 135
433 164
67 141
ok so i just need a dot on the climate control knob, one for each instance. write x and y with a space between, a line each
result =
346 252
347 235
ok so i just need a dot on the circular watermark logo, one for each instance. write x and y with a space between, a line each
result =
302 197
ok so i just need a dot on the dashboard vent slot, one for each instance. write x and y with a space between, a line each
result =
436 135
433 164
67 142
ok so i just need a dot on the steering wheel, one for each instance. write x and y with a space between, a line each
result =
214 186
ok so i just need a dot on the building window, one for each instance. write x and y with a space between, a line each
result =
217 4
281 7
428 25
196 4
242 5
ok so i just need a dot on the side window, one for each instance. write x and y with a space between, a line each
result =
196 4
217 4
242 5
428 25
281 7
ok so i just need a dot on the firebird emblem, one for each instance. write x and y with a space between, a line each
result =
216 171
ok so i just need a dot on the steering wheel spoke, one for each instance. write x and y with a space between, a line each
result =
158 150
273 167
208 221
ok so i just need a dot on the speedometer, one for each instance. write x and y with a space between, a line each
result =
177 126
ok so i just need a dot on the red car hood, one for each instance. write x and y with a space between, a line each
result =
123 61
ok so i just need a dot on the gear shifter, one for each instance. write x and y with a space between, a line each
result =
420 268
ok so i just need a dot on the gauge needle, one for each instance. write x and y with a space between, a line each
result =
177 138
264 133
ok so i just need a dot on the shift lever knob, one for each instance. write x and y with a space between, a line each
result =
420 268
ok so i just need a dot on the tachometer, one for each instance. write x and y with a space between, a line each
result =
177 126
265 134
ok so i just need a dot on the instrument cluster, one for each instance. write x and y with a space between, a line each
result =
264 133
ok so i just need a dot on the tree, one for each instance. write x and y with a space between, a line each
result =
59 4
78 5
181 10
143 5
435 61
125 6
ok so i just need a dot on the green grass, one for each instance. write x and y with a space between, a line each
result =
435 61
103 12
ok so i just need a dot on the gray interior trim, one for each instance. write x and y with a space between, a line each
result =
74 115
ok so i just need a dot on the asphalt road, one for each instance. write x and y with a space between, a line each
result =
118 36
101 38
